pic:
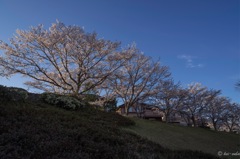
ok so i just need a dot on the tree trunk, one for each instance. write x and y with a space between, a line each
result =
230 128
193 120
167 117
215 126
126 109
203 124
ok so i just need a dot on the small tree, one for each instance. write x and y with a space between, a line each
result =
63 59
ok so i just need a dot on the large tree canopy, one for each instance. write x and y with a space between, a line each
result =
63 59
138 79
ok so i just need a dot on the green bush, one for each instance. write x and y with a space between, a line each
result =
66 102
13 94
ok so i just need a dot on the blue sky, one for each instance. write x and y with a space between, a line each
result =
197 39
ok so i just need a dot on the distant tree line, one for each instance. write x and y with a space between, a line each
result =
198 104
67 60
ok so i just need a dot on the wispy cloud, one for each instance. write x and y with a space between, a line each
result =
190 63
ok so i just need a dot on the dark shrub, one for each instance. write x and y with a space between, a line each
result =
110 105
13 94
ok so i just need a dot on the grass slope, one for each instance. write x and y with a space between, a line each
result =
179 137
37 130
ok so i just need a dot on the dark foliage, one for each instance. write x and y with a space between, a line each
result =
110 106
12 94
39 130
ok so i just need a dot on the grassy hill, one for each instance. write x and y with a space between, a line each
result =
180 138
38 130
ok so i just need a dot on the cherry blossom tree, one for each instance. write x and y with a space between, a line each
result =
63 59
197 98
190 107
216 110
137 79
169 98
231 117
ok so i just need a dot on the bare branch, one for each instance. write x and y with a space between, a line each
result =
62 59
